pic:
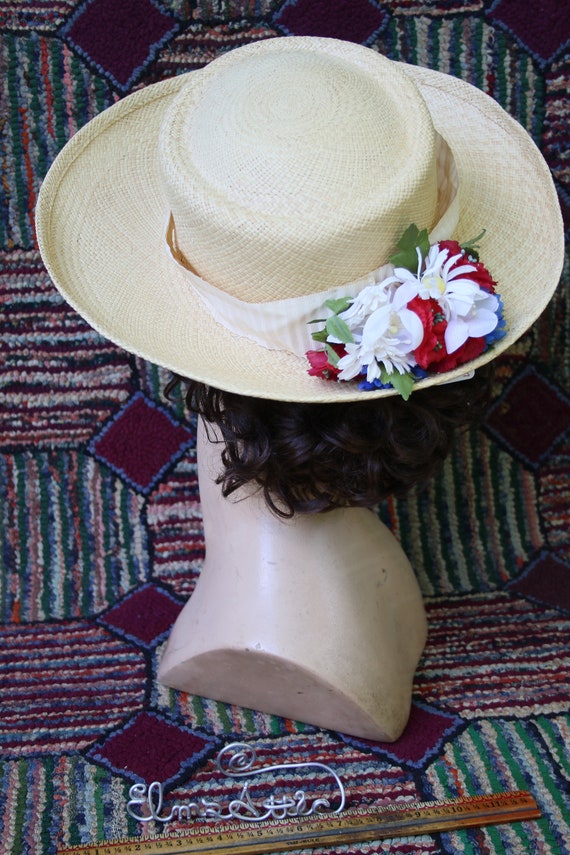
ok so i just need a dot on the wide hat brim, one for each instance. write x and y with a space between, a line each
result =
101 218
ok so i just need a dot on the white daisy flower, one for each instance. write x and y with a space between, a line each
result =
367 301
470 311
379 333
386 340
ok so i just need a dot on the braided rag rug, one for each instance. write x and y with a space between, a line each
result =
100 528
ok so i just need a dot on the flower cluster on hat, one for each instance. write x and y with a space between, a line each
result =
436 311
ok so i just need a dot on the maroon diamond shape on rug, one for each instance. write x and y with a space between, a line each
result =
546 580
530 417
352 20
119 38
151 748
141 442
541 26
425 733
144 616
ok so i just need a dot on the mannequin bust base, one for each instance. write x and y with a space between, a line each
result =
318 618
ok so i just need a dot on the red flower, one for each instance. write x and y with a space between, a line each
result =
472 348
454 249
480 275
432 355
320 365
432 348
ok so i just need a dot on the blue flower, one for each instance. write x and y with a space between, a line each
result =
501 329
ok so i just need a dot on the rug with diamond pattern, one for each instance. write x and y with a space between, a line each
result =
101 537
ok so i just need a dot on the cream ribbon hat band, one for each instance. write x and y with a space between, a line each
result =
286 171
284 324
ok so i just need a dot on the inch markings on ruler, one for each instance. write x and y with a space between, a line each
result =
352 826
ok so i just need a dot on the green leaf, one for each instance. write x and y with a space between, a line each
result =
338 306
474 242
408 259
321 335
337 328
423 242
402 383
332 355
471 247
411 240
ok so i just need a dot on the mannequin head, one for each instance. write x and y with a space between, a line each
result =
308 458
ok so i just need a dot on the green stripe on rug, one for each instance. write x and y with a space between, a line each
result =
475 525
469 48
498 756
79 543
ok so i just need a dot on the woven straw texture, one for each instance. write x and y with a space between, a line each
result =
295 217
101 536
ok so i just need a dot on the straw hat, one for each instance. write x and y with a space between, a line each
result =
202 221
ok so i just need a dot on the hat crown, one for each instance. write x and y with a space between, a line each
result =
290 170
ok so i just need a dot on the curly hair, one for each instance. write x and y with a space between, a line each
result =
309 458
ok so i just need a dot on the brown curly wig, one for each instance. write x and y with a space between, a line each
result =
308 458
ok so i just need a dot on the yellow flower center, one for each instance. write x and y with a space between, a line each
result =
435 283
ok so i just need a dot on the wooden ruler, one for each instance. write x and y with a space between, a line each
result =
351 826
